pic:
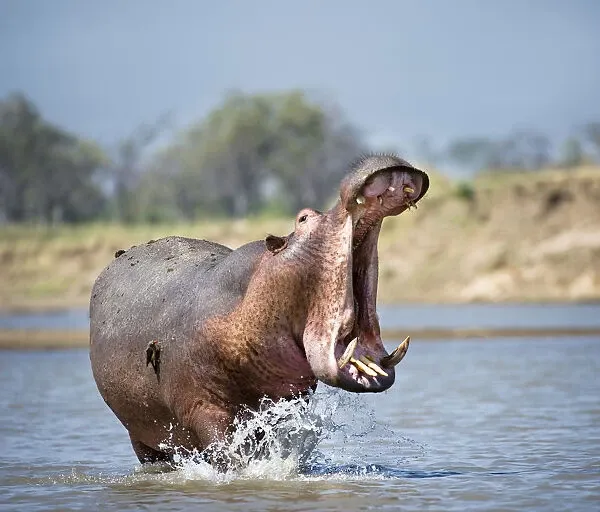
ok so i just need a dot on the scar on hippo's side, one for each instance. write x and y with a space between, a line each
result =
153 356
275 244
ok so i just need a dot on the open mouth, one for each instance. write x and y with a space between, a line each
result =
362 361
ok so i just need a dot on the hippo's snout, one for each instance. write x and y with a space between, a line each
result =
382 186
401 185
388 193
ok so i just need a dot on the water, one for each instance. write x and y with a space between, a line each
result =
409 316
503 424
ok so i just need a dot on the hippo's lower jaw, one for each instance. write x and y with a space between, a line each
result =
358 360
361 370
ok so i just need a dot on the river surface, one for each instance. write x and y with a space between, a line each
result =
500 424
409 316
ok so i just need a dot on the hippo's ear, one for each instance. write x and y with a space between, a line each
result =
275 243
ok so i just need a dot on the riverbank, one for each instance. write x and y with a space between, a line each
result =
520 237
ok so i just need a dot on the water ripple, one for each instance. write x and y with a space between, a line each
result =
499 425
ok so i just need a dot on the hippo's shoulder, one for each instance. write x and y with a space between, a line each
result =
235 269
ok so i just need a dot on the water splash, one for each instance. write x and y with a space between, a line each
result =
332 436
279 441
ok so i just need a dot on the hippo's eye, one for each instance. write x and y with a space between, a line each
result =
303 218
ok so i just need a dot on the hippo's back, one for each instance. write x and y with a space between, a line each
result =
151 284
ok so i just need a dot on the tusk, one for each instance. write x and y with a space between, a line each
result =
391 189
360 199
348 353
380 199
397 355
363 367
373 366
409 190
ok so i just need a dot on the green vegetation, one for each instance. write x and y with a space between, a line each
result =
254 153
46 174
465 191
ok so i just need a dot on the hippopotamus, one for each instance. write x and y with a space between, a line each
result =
187 333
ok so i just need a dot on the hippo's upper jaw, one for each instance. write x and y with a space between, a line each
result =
385 193
353 357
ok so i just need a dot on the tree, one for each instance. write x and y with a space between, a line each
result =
311 152
523 150
572 153
425 150
592 134
47 174
473 153
126 167
253 150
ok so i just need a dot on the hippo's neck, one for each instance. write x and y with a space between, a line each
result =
258 339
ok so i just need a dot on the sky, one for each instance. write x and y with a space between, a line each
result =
399 69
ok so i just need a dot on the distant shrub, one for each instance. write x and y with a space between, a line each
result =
465 191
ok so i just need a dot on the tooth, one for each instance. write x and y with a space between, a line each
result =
391 189
397 355
348 353
363 367
373 366
380 199
360 199
409 190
